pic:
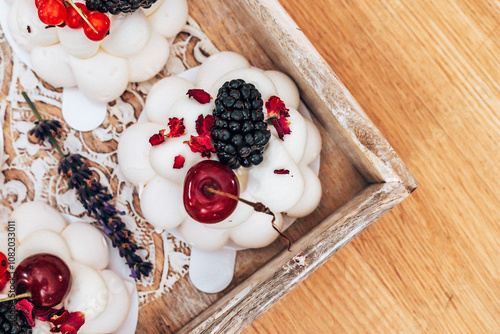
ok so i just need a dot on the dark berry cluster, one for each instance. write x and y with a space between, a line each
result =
239 134
118 6
13 321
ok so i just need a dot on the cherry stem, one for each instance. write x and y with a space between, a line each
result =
40 119
259 207
22 296
82 14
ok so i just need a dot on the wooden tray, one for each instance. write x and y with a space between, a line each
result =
362 176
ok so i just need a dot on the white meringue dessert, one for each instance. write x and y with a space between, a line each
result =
106 298
135 50
160 186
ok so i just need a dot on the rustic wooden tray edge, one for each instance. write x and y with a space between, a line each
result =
361 141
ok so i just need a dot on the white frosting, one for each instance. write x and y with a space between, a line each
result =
87 245
162 158
135 50
133 152
146 63
162 205
97 292
287 89
128 34
170 17
217 65
89 293
298 192
43 241
76 44
35 216
158 103
116 310
51 62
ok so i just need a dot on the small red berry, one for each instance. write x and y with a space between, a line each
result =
100 22
52 12
73 18
39 2
3 263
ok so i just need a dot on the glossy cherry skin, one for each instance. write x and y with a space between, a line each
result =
46 277
4 263
52 12
100 22
73 19
203 205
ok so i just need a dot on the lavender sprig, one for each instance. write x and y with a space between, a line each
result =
94 197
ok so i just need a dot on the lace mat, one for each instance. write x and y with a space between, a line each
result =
29 172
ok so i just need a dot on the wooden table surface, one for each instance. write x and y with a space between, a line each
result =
428 74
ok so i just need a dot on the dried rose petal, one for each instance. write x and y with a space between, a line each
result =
199 95
45 314
277 114
26 307
4 279
179 162
202 144
282 126
276 108
158 138
67 323
176 126
281 171
204 124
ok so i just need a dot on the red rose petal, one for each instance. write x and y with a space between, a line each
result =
176 126
281 171
179 162
204 124
4 279
282 126
276 107
199 95
202 144
158 138
67 323
277 114
26 307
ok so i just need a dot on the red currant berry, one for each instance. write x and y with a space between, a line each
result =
39 2
3 263
52 12
73 18
100 22
46 277
203 205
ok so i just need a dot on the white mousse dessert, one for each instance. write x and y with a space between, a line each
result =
98 292
135 50
284 182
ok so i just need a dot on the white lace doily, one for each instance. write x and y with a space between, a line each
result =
29 172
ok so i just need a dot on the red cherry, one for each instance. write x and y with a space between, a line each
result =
73 18
52 12
39 2
4 262
203 205
46 277
100 22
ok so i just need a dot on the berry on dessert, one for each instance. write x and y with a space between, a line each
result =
98 28
73 18
240 133
52 12
118 6
200 202
46 277
13 321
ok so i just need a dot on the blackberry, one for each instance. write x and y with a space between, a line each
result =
117 6
13 321
239 134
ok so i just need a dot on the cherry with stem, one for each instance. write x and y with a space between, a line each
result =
259 207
